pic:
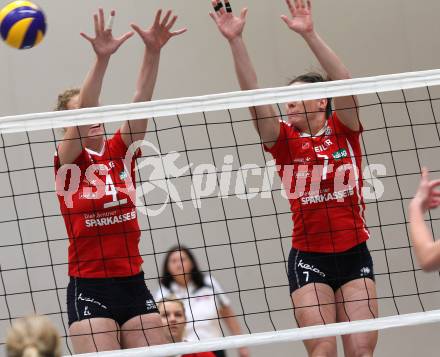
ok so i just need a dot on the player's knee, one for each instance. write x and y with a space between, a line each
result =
363 352
324 349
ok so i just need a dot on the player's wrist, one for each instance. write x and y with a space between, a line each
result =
309 35
103 57
417 205
235 40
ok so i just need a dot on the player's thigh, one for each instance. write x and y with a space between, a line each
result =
312 296
314 304
357 300
96 334
142 330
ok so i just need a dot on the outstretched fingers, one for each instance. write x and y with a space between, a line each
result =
171 23
125 37
157 17
136 28
290 6
111 21
218 7
166 18
424 174
101 20
96 23
228 6
434 184
87 37
179 32
243 13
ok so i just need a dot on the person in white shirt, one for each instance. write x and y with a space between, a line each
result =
172 313
204 300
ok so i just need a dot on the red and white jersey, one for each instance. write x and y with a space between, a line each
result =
101 219
322 178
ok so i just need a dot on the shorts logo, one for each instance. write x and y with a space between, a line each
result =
87 312
91 300
151 305
311 268
365 271
123 175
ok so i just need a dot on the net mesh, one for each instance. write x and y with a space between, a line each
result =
205 182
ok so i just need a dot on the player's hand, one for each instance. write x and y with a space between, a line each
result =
160 32
427 195
229 25
301 16
104 44
243 352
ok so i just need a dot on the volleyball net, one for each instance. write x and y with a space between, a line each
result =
205 182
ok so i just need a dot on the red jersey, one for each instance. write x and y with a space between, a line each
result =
101 219
200 354
322 178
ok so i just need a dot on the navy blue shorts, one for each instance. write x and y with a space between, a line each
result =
119 299
333 269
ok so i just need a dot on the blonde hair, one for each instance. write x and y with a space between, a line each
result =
33 336
65 97
172 298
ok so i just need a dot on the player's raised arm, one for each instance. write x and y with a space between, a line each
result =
231 27
104 46
426 249
301 22
154 38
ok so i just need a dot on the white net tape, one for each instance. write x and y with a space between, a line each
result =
208 103
265 338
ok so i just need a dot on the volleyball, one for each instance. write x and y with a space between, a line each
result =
22 24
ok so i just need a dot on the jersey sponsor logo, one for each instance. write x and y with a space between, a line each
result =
324 146
88 195
340 154
325 197
108 221
310 267
303 174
